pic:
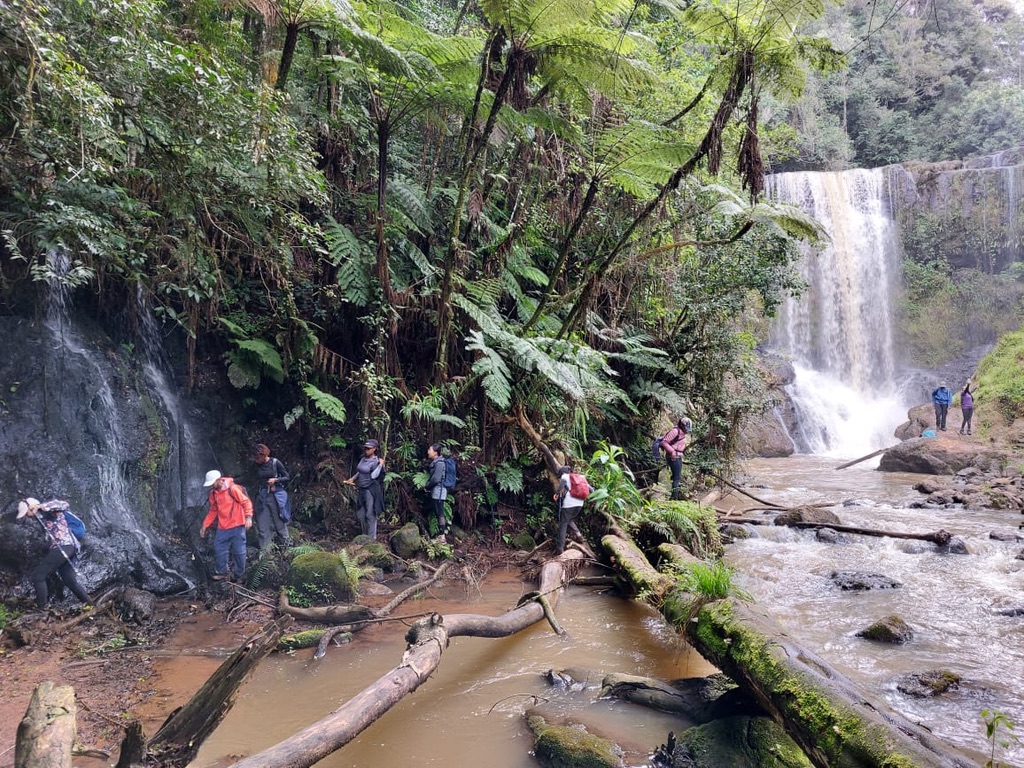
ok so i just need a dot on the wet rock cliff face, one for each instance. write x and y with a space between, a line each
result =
966 212
82 422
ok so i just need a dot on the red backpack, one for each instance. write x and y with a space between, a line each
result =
579 488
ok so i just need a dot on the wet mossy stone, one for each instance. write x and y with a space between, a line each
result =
738 742
375 555
320 575
737 532
857 580
926 685
524 541
571 746
891 629
406 541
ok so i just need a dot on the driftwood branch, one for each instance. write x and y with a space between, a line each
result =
180 737
940 537
324 614
415 589
862 458
328 636
427 641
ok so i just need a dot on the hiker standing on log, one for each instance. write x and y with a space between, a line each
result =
272 508
231 510
64 548
369 489
674 444
569 506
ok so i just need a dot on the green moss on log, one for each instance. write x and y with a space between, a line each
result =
836 732
570 746
739 741
306 639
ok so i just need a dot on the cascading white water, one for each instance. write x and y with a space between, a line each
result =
838 334
111 514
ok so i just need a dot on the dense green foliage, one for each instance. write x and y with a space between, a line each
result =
925 81
428 220
1000 388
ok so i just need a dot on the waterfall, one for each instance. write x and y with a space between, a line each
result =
121 520
838 333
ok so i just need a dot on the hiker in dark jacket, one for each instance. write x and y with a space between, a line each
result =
63 549
369 488
438 493
271 523
674 444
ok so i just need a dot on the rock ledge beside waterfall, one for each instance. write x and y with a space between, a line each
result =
941 456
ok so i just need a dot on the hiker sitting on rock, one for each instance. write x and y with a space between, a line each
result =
63 548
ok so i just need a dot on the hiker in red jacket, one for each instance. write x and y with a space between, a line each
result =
231 511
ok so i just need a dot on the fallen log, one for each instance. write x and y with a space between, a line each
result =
643 576
427 641
658 694
46 734
324 614
940 537
184 731
834 721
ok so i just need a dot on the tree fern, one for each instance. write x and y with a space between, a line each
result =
495 377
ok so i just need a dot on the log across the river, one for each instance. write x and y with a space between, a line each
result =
427 640
833 720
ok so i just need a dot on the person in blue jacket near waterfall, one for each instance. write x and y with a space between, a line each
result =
941 399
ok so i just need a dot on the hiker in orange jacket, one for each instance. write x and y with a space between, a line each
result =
231 510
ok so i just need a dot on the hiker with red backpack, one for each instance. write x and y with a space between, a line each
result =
231 510
64 547
573 490
674 444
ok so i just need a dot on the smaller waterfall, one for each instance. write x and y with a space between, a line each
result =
838 334
116 513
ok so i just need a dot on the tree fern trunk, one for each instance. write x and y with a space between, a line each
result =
291 40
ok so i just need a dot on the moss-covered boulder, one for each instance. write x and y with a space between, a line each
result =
523 541
892 629
571 746
406 542
321 577
373 554
738 742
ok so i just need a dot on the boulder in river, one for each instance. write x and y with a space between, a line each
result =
738 742
860 581
807 515
938 456
892 629
561 746
924 685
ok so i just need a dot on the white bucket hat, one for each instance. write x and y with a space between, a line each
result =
26 506
211 477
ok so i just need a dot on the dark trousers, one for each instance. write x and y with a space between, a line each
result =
55 562
442 521
230 541
366 513
676 465
269 525
566 515
968 415
941 409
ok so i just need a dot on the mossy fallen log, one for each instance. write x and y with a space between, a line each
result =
835 722
305 639
657 694
636 568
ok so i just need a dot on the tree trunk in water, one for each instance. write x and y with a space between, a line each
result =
47 732
832 720
427 640
180 737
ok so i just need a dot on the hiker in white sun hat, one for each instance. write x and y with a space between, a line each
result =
63 548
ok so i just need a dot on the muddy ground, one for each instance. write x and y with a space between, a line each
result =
121 671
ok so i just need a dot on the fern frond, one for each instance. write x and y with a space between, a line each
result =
495 376
326 403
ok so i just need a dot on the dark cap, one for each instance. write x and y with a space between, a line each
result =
371 443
